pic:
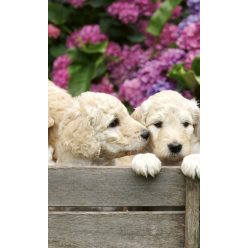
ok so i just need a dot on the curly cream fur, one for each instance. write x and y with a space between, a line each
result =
170 108
82 128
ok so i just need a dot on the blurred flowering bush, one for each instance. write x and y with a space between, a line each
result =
128 48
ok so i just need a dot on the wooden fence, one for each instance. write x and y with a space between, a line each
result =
113 207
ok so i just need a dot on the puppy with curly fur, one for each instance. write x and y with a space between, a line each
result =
93 128
173 122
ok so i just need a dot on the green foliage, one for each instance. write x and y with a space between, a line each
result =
58 13
196 66
84 68
57 50
161 16
95 48
80 78
187 79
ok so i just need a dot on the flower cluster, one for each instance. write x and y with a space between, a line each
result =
134 68
89 34
53 31
128 11
194 5
76 3
60 73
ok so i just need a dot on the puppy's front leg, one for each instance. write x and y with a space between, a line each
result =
50 155
146 164
191 166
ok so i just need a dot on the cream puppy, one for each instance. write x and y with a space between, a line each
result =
173 122
92 129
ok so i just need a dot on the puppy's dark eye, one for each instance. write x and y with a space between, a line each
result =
114 123
158 124
185 124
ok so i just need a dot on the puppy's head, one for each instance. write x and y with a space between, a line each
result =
99 126
173 122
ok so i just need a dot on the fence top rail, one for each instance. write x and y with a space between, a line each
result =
99 186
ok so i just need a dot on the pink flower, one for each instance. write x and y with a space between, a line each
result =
61 78
168 35
125 11
190 37
146 7
60 73
190 57
176 12
53 31
103 86
131 91
88 34
76 3
113 50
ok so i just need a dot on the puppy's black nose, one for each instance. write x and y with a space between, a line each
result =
145 134
175 147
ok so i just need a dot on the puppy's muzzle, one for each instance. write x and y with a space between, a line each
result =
145 134
175 147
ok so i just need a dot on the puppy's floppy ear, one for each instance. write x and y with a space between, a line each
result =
195 111
140 113
77 135
50 121
137 115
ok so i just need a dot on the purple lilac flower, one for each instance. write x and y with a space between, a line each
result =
152 71
190 57
125 11
194 6
129 61
76 3
160 85
131 91
60 73
170 57
187 21
88 34
190 37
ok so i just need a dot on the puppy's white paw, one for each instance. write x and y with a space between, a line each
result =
146 164
191 165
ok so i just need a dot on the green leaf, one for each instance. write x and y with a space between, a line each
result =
185 79
57 13
196 66
100 67
80 78
95 48
57 50
136 38
161 16
78 57
99 3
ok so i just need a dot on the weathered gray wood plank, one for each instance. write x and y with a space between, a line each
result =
114 186
116 229
192 215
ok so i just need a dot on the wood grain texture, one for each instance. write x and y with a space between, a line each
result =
114 186
192 214
116 229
